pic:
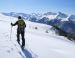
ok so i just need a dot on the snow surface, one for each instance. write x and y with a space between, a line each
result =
39 43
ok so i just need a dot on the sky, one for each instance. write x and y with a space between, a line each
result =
37 6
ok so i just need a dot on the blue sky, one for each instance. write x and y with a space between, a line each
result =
37 6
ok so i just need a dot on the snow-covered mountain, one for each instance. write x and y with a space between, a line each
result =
48 15
61 15
13 14
60 19
72 18
38 17
41 42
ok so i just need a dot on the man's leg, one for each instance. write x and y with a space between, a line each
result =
18 37
23 39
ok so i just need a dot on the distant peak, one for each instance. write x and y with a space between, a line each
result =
62 15
50 13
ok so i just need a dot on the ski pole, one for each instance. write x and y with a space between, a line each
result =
11 26
10 32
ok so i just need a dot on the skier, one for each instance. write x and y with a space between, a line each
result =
20 30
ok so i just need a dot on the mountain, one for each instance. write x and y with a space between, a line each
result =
43 20
72 18
50 13
59 19
61 15
13 14
68 26
42 42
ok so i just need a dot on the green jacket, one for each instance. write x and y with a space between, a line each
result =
20 23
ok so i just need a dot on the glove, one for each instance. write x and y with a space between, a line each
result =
11 24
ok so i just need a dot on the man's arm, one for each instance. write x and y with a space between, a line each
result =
14 23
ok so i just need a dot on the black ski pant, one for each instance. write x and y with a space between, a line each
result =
21 32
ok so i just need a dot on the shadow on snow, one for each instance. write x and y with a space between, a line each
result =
26 53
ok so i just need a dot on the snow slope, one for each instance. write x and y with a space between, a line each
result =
39 43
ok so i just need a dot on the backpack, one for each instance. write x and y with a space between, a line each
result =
21 23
